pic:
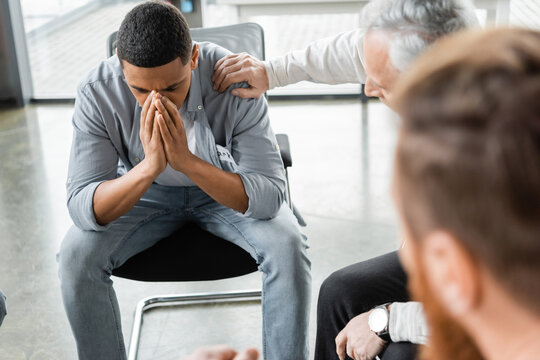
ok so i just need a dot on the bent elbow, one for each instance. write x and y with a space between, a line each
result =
268 209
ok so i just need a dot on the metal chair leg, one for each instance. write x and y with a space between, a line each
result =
289 200
183 300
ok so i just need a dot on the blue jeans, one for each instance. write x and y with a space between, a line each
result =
87 258
3 311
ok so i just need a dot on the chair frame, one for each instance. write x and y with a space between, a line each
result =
179 301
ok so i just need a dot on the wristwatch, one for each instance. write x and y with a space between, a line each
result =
378 321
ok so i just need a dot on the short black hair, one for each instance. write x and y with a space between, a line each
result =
153 34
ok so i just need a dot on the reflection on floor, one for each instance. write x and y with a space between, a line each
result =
340 182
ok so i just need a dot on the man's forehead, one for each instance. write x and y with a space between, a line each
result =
377 41
376 58
174 66
161 77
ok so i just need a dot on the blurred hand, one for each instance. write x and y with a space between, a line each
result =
358 341
235 68
154 154
249 354
222 352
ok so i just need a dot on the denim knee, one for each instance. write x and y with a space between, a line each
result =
287 250
78 259
3 309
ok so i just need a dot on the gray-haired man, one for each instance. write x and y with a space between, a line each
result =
393 34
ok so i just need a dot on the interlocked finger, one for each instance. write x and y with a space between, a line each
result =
164 131
149 122
166 116
173 113
144 111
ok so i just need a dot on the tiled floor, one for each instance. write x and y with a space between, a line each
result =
340 181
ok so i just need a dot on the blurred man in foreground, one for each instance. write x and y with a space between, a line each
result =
467 185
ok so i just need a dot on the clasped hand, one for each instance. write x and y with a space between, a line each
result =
163 135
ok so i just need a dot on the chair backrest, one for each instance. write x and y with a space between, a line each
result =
246 37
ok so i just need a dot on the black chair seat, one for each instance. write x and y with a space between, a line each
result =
190 254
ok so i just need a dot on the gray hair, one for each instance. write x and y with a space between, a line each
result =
415 24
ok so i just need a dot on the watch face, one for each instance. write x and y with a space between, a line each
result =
378 320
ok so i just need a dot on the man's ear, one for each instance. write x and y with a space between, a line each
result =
195 57
452 272
121 61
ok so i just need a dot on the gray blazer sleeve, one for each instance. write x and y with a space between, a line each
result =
255 150
93 160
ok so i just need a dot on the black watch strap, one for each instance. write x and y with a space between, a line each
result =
385 335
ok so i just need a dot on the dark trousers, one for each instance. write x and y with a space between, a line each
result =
354 290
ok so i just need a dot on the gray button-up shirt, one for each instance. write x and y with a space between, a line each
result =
233 134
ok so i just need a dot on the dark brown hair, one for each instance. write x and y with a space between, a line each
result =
468 159
152 34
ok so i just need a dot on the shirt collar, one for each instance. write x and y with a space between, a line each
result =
193 100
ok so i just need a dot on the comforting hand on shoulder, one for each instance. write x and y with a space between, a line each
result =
235 68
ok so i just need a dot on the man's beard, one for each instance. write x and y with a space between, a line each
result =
447 339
